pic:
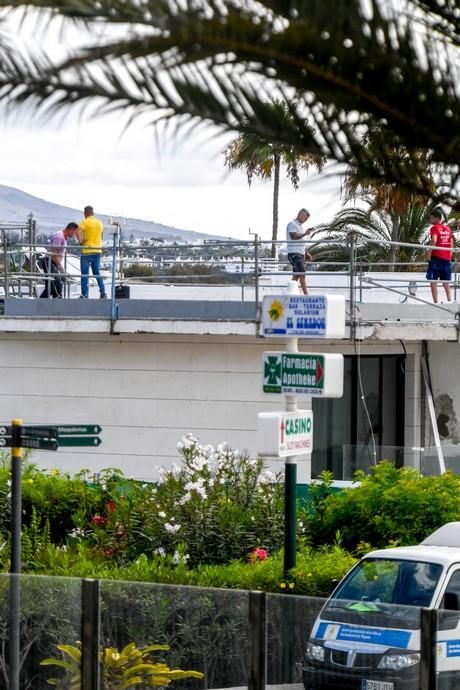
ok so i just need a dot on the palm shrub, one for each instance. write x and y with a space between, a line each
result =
120 670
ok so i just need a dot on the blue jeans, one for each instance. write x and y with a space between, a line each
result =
93 260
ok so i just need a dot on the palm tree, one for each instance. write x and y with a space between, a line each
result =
263 158
362 65
395 200
373 230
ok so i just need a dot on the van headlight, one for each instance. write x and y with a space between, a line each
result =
396 662
315 652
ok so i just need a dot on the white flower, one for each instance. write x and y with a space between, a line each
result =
208 450
189 441
180 558
160 551
162 514
198 463
162 475
267 477
194 486
172 529
175 470
185 499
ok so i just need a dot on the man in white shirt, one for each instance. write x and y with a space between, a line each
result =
296 247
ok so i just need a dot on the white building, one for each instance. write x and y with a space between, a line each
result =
177 360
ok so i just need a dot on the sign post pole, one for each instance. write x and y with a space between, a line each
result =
289 433
15 557
290 480
37 437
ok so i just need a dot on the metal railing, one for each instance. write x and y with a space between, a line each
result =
245 265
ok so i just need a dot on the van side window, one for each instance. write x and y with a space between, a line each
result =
451 599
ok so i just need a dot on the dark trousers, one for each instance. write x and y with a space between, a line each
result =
53 282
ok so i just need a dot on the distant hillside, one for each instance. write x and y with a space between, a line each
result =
16 206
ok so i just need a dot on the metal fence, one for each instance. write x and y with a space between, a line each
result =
76 630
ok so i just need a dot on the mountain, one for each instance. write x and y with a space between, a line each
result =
16 206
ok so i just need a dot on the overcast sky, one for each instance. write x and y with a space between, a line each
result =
178 183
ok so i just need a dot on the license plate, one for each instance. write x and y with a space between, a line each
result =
376 685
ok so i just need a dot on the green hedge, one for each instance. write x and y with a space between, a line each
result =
388 507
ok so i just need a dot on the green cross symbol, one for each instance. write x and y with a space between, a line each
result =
272 371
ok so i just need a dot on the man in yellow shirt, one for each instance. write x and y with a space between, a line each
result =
89 235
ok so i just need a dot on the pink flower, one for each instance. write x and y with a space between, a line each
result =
99 520
258 555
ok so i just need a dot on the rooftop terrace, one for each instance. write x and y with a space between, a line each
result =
216 294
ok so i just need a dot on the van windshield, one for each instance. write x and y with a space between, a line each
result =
384 586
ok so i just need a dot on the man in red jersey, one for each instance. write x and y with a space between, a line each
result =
439 259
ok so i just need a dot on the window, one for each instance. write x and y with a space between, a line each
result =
370 412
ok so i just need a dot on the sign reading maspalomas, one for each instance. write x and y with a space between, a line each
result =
283 434
307 316
305 373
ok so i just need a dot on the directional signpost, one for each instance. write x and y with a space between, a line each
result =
303 316
37 437
79 441
78 429
305 373
284 434
289 434
40 437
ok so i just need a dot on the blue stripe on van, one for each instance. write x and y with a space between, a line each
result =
452 647
350 633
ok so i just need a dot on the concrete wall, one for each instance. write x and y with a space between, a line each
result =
146 391
444 364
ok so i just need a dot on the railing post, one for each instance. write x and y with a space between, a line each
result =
113 304
428 629
256 270
5 265
90 634
352 237
257 641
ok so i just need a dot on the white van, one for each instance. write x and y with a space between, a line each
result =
367 635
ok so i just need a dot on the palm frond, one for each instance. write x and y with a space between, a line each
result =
343 72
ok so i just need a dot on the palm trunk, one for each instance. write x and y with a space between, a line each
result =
276 193
395 220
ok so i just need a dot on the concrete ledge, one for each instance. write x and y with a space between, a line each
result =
411 322
206 310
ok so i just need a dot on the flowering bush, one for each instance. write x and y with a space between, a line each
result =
218 505
215 506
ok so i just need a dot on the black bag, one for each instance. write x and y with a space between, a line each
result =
122 291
